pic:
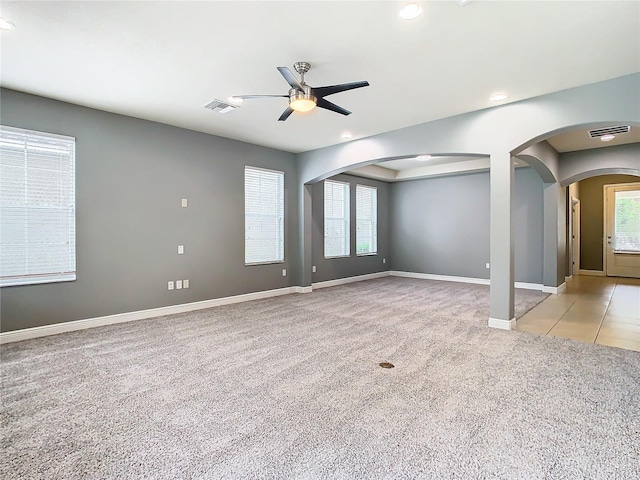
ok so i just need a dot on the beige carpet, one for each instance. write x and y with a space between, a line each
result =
290 387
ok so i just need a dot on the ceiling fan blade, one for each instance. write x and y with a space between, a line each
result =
343 87
285 114
244 97
327 105
290 78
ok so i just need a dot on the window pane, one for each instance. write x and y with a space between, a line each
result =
336 219
366 220
627 221
37 207
264 216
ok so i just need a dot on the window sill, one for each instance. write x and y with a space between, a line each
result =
274 262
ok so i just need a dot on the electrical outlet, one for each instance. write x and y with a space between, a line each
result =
487 265
178 284
284 272
180 249
185 203
313 269
185 283
384 260
170 286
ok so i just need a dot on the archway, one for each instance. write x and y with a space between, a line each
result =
499 132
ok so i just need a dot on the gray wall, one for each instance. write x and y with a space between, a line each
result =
333 268
592 218
441 225
130 177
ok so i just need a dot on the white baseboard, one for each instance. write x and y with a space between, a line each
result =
45 330
302 289
343 281
528 286
592 273
555 290
502 324
443 278
570 277
477 281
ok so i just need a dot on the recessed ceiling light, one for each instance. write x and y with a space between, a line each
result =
463 2
347 135
423 158
410 11
236 100
6 24
607 138
498 97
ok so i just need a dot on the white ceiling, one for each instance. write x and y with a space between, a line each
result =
164 61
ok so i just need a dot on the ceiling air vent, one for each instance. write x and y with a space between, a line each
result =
220 106
601 132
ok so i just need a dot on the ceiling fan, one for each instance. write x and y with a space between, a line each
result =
303 97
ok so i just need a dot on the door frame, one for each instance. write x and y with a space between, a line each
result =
575 236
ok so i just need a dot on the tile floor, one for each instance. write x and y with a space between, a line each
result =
604 310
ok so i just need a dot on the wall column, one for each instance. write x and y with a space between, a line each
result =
501 251
555 237
304 237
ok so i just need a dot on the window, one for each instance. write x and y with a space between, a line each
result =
366 220
37 207
627 221
263 216
336 219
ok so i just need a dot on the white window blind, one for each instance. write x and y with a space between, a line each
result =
627 221
366 220
336 219
37 207
263 216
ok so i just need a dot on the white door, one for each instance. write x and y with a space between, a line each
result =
622 229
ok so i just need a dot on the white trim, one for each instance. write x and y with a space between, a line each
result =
444 278
502 324
555 290
342 281
528 286
43 331
477 281
570 277
593 273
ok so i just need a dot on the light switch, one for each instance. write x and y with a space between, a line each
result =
184 203
178 284
313 269
180 249
284 272
185 284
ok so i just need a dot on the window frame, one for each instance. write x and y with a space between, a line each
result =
61 202
280 217
346 219
372 221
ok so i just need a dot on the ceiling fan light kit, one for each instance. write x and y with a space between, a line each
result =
303 97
